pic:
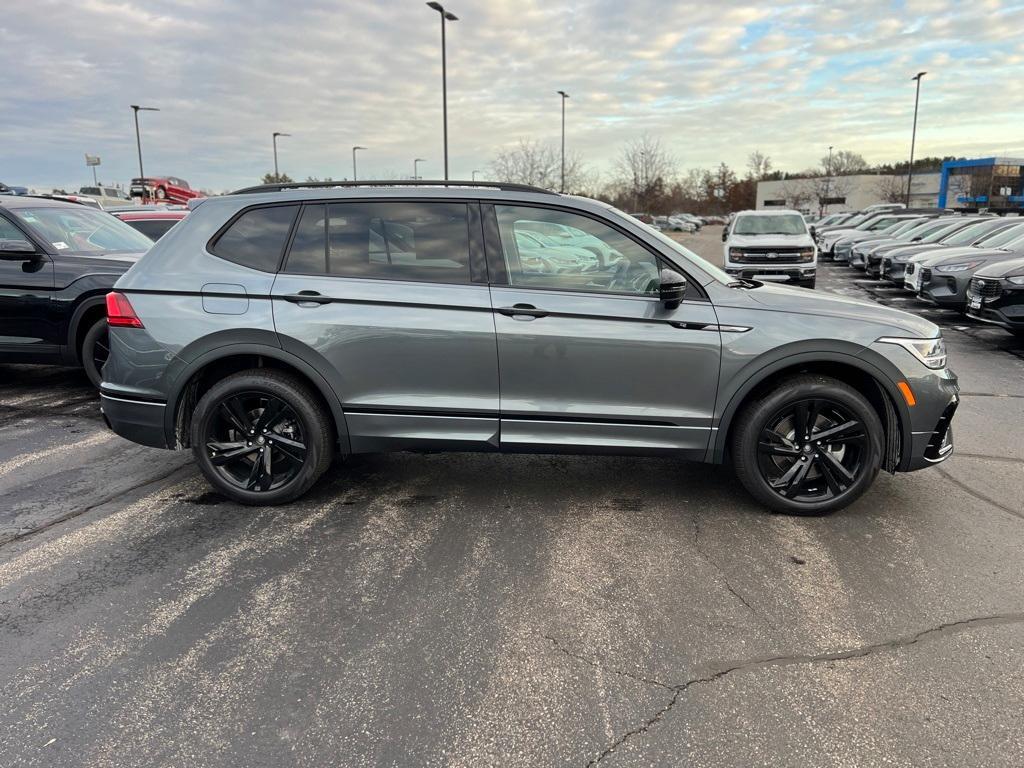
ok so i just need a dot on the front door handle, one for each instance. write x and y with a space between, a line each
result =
523 311
307 297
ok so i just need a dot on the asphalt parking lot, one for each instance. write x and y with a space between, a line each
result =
510 610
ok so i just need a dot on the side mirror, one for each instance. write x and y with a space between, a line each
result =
725 234
672 288
17 250
814 233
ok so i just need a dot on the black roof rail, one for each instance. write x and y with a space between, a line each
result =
392 183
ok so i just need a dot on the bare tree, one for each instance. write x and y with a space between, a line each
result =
540 165
843 163
892 189
647 169
759 165
276 178
799 193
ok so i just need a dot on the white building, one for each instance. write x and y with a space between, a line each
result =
848 193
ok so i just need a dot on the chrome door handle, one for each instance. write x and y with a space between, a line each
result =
522 311
307 297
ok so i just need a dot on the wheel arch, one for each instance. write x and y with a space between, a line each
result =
85 314
871 380
197 376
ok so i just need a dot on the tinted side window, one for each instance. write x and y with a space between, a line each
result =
257 238
425 242
8 231
569 252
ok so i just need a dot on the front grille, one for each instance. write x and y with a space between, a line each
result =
926 276
768 256
986 289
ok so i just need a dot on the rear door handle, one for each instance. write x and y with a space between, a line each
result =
307 297
522 311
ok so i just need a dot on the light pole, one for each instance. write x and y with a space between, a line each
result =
415 171
475 173
276 134
823 208
138 141
445 16
354 150
913 134
564 96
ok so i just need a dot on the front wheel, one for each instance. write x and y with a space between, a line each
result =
161 193
810 446
261 437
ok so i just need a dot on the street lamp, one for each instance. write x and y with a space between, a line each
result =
823 208
354 150
138 141
475 173
415 172
564 96
445 16
913 135
276 134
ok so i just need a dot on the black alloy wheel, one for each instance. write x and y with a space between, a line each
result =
255 441
812 450
95 351
262 436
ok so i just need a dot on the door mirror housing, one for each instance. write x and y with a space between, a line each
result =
672 288
814 233
17 250
725 234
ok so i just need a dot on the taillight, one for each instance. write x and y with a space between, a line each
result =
120 312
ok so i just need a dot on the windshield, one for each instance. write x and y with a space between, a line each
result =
971 234
781 224
1004 236
83 230
904 226
942 233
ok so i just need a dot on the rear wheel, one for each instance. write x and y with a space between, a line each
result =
161 193
261 437
95 351
809 447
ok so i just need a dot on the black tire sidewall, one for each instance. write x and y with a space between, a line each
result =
755 418
95 332
306 408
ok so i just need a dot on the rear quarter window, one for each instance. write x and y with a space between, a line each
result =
257 238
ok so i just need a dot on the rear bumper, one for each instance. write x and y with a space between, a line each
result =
141 421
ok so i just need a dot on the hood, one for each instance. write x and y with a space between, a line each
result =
117 258
786 299
904 252
972 254
767 241
1009 268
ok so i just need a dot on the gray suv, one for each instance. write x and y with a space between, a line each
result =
283 325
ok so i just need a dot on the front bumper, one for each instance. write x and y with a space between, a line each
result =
790 274
1005 309
945 290
893 271
136 419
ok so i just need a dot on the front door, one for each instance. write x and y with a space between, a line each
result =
28 329
589 357
387 295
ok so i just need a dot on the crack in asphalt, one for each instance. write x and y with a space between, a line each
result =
722 670
698 545
11 538
980 496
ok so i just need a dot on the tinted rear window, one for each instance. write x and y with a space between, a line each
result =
257 238
154 229
426 242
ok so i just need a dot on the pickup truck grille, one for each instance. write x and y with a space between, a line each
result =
768 256
986 289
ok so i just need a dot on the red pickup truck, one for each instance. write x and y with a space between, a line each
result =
169 188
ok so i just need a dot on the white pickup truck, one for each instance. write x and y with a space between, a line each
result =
772 245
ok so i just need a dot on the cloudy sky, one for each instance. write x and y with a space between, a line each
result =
712 80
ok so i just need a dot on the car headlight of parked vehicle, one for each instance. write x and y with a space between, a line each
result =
807 254
1017 280
958 267
931 352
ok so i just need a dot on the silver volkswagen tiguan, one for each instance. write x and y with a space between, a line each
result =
285 324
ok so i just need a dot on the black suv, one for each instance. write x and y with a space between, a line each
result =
58 260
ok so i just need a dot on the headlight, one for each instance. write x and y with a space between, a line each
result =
931 352
1016 280
807 254
958 267
736 253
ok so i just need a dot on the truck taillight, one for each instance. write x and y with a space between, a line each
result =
120 313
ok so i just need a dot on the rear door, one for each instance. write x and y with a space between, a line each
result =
391 297
589 356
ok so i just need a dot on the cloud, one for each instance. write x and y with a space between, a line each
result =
713 81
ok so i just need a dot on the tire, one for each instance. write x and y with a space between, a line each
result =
161 193
808 283
297 437
832 474
94 352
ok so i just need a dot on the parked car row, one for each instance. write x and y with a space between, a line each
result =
971 263
58 260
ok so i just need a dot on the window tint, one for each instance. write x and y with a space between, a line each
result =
257 237
8 231
154 229
426 242
569 252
